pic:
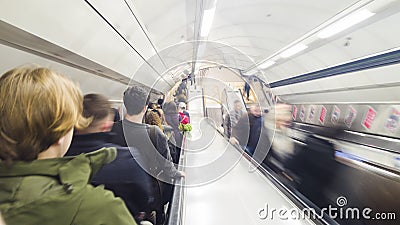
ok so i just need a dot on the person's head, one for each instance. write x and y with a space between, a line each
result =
38 111
152 105
255 110
170 108
97 108
182 106
136 99
160 101
237 105
153 118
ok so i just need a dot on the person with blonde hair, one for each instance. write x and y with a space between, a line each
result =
38 112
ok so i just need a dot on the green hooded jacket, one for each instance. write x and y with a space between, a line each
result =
56 192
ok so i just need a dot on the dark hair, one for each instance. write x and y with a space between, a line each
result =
160 101
117 117
97 107
170 108
135 98
152 105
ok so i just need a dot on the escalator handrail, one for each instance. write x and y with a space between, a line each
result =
205 113
363 163
178 197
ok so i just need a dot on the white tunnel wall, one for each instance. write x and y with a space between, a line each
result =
88 82
168 22
265 26
74 26
373 85
372 39
74 33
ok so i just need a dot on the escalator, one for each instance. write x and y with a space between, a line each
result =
224 187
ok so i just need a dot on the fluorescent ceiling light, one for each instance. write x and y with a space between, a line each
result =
208 17
251 72
293 50
266 64
345 23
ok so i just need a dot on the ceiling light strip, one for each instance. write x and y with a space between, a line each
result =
345 23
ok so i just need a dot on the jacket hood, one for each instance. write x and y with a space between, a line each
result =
71 171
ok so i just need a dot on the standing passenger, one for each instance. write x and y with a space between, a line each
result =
132 183
138 134
39 109
153 117
247 90
172 119
184 115
233 117
149 141
248 129
278 123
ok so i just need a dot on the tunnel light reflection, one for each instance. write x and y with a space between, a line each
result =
293 50
345 23
208 17
267 64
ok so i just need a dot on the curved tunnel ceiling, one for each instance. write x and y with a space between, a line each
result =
159 42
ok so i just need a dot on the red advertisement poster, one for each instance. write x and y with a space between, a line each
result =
369 118
392 123
294 112
302 113
322 115
335 115
350 117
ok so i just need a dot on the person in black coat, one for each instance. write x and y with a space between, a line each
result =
149 140
247 131
124 176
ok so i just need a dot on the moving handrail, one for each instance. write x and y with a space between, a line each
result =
205 113
178 197
365 139
349 159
